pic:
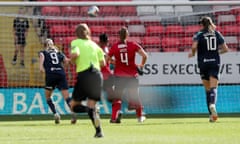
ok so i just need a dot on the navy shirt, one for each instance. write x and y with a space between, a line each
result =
20 25
208 46
53 62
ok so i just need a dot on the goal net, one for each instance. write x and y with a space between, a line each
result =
171 83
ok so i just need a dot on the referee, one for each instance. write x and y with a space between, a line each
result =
89 58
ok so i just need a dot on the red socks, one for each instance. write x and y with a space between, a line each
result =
116 107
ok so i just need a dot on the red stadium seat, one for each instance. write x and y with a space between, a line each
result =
71 75
67 41
59 41
190 30
238 19
59 30
108 11
70 11
235 10
96 30
113 40
74 22
95 39
112 20
135 39
51 10
113 29
132 20
152 49
127 10
170 44
151 42
51 22
174 30
232 42
154 30
67 51
186 43
233 30
83 10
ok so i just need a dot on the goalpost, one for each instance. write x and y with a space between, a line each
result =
171 82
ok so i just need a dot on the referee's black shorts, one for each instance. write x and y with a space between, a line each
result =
21 40
89 85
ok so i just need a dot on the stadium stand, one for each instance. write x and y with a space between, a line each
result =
156 28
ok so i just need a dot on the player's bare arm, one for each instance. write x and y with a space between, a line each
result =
73 57
144 56
41 60
223 48
193 50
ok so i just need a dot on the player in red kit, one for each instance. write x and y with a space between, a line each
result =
126 75
106 71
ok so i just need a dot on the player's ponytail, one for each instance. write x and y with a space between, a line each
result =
207 24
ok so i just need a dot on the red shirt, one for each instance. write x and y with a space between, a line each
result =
106 72
124 55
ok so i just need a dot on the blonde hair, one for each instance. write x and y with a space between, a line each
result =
49 44
83 31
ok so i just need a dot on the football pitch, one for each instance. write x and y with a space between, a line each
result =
152 131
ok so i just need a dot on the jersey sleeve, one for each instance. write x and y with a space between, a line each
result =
137 46
196 36
61 56
40 52
74 48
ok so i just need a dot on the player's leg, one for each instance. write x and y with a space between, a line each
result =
213 97
14 60
213 79
206 85
48 93
94 115
135 100
93 91
67 99
205 72
22 47
116 115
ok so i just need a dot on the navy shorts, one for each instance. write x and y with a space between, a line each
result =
89 85
208 70
56 81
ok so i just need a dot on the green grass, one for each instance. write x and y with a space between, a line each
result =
152 131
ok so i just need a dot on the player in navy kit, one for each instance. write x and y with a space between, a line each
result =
209 44
51 61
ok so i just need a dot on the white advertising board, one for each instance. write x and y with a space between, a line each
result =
177 68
